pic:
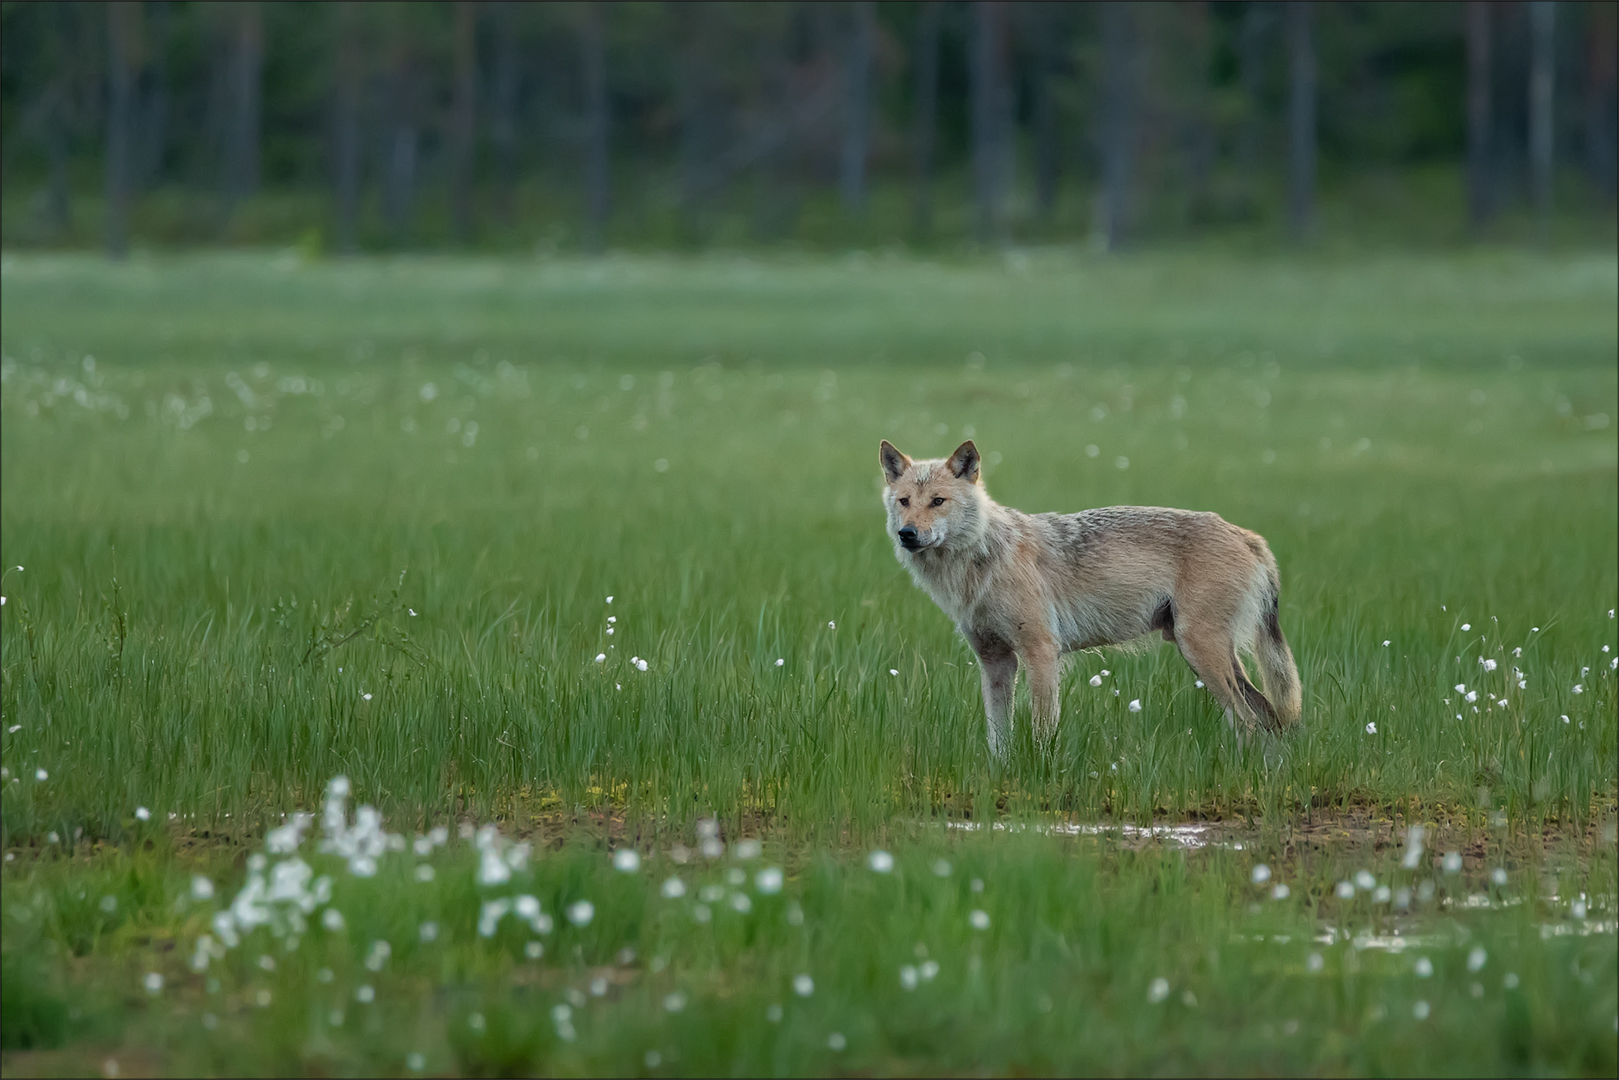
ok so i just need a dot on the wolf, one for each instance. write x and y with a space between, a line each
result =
1033 587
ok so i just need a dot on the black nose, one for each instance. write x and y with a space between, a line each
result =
907 535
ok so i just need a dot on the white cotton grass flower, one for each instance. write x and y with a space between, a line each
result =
1413 847
941 868
600 657
1385 643
1421 1010
332 920
1577 689
768 881
880 861
1371 727
365 994
1499 877
1467 626
979 919
836 1041
202 889
1280 891
490 914
142 814
780 662
41 775
747 850
803 985
1260 874
626 860
1477 959
674 1002
1364 880
1096 680
1452 862
153 982
673 889
425 873
609 599
1346 890
741 903
893 671
427 932
1315 962
580 912
1423 968
1135 704
908 977
1486 663
1158 990
1471 696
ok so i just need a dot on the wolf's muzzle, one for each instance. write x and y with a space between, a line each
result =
908 538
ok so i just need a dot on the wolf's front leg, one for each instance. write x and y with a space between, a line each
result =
999 667
1044 661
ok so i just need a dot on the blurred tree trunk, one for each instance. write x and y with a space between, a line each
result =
990 122
696 118
1251 64
346 129
1602 101
504 109
58 203
1118 121
154 103
926 120
597 119
1200 135
1542 77
1301 154
122 32
1479 121
242 120
1047 155
399 191
856 109
462 109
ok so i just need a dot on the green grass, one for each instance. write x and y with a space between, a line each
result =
252 469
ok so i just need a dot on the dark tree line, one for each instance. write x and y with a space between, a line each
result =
403 123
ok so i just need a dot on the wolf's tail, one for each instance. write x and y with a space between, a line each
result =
1276 667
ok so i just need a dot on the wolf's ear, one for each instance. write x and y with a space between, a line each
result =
964 462
894 462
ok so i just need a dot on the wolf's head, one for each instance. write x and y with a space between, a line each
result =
933 505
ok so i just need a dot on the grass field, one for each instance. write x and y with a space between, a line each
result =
279 522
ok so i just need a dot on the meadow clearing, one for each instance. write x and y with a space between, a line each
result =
653 760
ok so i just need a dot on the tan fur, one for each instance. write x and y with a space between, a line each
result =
1033 587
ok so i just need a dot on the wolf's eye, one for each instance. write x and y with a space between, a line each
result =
938 500
905 502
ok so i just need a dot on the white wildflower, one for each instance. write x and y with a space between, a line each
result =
1158 991
880 861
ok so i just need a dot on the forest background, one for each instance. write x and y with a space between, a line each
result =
589 126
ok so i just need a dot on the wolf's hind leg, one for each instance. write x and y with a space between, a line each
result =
998 664
1213 657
